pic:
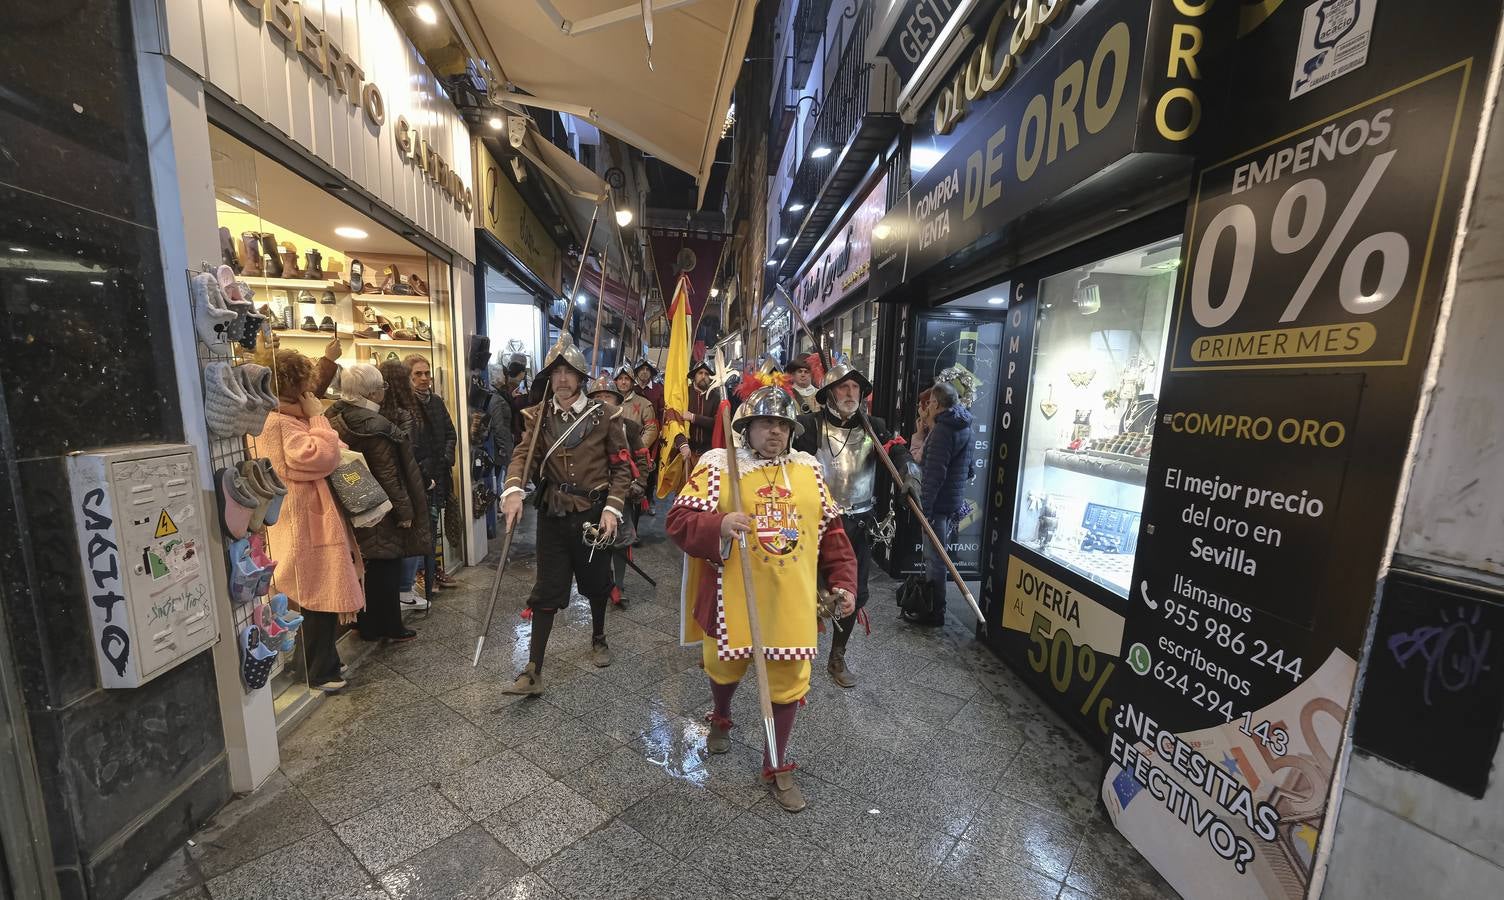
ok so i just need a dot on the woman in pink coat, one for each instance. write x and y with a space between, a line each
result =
318 565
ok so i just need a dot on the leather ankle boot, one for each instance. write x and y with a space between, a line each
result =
270 251
250 242
227 250
315 267
838 671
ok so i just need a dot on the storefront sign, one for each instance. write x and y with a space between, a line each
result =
914 34
1103 81
344 84
512 222
843 265
1317 247
1334 203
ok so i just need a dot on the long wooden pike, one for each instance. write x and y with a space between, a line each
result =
754 624
898 480
532 448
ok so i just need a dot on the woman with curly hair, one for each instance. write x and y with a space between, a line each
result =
318 560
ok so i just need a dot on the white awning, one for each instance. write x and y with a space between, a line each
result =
589 58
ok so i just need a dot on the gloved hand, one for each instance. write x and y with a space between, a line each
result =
913 486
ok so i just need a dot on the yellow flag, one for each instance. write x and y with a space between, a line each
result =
671 474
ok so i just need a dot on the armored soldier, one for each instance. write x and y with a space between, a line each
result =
704 405
836 437
795 540
582 466
637 408
645 385
605 390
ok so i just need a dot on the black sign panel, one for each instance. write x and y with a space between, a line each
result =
1334 204
1317 245
1433 696
915 32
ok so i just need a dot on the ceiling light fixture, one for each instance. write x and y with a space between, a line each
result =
715 292
781 241
997 301
580 299
820 151
425 13
772 262
354 234
624 217
496 123
796 207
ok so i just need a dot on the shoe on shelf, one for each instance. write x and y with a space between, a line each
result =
367 314
305 297
328 324
390 278
413 601
289 253
309 324
315 267
269 252
227 249
327 298
357 275
213 320
422 330
250 251
600 653
529 682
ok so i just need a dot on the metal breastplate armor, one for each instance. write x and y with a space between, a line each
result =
850 473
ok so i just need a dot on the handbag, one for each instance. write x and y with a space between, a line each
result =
916 599
357 491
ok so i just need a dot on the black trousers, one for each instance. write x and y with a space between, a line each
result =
563 557
859 530
320 655
382 617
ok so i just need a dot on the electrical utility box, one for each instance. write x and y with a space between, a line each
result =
143 540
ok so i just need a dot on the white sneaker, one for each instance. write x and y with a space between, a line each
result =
414 601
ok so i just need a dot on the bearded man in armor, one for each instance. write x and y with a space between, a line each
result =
836 436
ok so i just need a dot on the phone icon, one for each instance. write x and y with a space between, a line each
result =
1143 591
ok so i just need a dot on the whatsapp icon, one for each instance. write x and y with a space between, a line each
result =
1139 660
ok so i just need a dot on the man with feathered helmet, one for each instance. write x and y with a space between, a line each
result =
795 541
837 437
582 466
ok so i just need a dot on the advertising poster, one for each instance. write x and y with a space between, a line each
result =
1317 240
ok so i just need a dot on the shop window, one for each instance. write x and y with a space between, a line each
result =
1092 401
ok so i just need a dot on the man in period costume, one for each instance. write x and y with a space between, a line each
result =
640 409
795 540
802 380
836 437
647 386
704 406
582 467
606 391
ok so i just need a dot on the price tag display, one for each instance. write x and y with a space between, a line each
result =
1326 217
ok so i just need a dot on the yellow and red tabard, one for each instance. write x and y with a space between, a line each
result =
797 537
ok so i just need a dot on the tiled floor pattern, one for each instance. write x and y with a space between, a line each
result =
939 776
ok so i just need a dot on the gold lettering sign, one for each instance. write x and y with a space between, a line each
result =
504 214
414 148
302 37
992 63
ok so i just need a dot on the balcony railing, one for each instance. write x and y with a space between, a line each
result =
855 122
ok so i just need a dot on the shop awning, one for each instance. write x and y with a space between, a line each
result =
589 58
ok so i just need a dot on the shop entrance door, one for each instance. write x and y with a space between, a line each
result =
959 346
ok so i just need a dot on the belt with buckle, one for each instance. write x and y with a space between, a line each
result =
574 490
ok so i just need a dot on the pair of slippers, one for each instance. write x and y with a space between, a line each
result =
278 624
223 311
250 568
250 497
237 399
257 657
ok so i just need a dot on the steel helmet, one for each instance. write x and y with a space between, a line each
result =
565 353
842 371
767 403
605 384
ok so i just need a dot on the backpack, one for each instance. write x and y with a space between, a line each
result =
916 599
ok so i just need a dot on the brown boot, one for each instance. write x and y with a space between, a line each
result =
529 683
838 671
785 789
719 740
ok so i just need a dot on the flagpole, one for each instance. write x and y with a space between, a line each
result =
527 460
600 304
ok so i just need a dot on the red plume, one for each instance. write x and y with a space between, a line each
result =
753 379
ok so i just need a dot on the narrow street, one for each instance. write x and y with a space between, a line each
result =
939 775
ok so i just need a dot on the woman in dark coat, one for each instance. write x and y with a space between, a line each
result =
404 530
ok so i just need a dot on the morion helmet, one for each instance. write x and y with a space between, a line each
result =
768 402
564 353
605 384
842 371
645 364
699 366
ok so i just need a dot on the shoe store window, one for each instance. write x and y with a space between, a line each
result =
1097 365
319 271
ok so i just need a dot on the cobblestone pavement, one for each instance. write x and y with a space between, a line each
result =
940 775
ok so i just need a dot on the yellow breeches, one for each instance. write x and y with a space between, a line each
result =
788 679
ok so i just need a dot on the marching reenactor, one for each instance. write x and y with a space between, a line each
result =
582 467
836 436
802 379
606 391
795 541
704 405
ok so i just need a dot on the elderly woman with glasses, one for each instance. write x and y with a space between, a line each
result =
403 532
